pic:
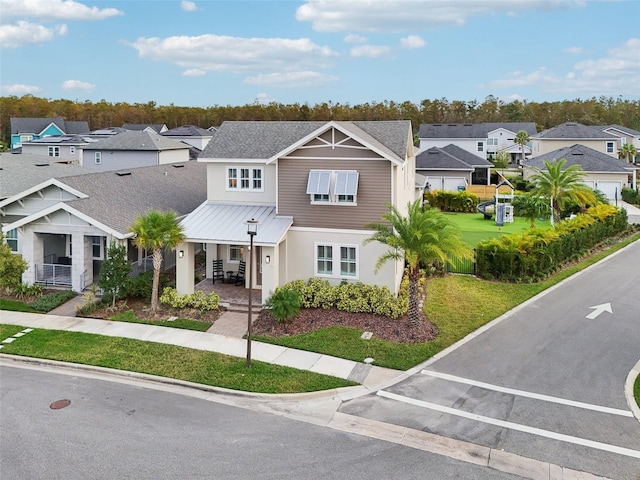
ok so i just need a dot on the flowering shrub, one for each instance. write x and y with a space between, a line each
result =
198 299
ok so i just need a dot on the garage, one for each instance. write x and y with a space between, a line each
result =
610 188
452 183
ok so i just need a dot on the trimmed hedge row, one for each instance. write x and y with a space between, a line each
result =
533 255
350 297
452 201
630 195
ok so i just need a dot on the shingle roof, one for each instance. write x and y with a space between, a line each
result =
58 139
263 140
74 127
36 125
589 159
471 130
116 200
627 130
187 131
571 130
157 127
450 157
133 140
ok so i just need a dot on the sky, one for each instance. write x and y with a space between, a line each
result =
214 53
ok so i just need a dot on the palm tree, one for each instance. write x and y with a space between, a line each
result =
628 152
425 235
155 231
562 185
531 207
522 138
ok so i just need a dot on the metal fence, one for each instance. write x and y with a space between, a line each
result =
53 274
462 265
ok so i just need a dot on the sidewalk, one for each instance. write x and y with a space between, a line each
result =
367 375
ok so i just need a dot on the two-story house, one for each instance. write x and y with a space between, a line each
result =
480 139
570 133
313 187
27 129
452 168
63 226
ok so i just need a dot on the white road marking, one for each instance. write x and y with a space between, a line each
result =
513 426
522 393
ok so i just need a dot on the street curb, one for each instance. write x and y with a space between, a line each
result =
628 390
155 379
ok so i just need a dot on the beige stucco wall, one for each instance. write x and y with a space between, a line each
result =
542 147
173 156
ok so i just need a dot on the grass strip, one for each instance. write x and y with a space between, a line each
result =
457 304
183 323
207 368
636 390
16 306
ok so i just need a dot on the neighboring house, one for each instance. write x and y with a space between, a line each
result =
146 127
59 148
132 149
63 226
452 168
571 133
603 172
313 186
480 139
27 129
194 136
625 135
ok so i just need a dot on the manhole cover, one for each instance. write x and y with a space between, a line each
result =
58 404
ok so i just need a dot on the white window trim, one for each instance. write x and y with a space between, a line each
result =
10 237
229 259
610 148
101 241
336 260
480 146
252 177
53 151
332 189
97 158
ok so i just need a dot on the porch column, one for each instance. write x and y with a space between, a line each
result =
185 268
80 251
270 271
211 255
31 247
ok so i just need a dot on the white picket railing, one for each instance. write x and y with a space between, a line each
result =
53 274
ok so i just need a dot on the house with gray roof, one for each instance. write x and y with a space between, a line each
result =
313 187
63 225
452 168
195 136
603 172
148 127
131 149
59 148
26 129
481 139
571 133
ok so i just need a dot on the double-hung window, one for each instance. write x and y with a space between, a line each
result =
54 151
97 158
12 239
480 146
235 253
610 147
333 186
245 178
336 261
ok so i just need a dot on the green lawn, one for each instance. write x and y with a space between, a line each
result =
183 323
208 368
16 306
636 390
476 229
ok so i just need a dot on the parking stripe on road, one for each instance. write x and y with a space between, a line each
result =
522 393
513 426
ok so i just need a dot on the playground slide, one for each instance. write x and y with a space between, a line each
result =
482 208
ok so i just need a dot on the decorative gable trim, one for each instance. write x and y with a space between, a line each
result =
52 124
41 186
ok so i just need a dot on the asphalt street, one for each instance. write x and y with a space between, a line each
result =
546 382
120 431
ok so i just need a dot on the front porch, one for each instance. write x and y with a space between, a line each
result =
236 296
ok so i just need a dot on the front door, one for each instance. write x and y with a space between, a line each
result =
258 259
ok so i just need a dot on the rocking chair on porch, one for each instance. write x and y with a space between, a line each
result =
238 277
218 271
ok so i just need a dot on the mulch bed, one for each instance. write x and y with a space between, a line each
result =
313 319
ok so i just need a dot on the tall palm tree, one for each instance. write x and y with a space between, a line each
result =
628 152
425 235
522 138
562 185
155 231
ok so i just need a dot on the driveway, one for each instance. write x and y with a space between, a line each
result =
545 382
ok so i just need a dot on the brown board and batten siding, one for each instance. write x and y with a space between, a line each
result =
374 188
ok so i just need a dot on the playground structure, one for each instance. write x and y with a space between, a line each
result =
500 206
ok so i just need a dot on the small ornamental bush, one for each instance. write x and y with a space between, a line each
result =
48 302
452 201
284 304
197 300
630 195
24 291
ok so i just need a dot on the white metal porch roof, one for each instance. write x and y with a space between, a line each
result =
225 223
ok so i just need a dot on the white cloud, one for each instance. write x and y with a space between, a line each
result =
25 33
263 98
352 38
19 89
188 6
372 51
194 72
304 79
235 54
412 41
574 50
78 85
616 74
411 15
54 10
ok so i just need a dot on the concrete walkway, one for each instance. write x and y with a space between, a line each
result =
367 375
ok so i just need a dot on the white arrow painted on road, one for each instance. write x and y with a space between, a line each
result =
605 307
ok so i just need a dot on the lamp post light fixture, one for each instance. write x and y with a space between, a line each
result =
252 231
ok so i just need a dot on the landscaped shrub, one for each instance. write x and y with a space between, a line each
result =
452 201
537 253
25 291
141 286
630 195
284 304
197 300
48 302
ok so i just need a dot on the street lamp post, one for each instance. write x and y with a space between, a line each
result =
252 231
